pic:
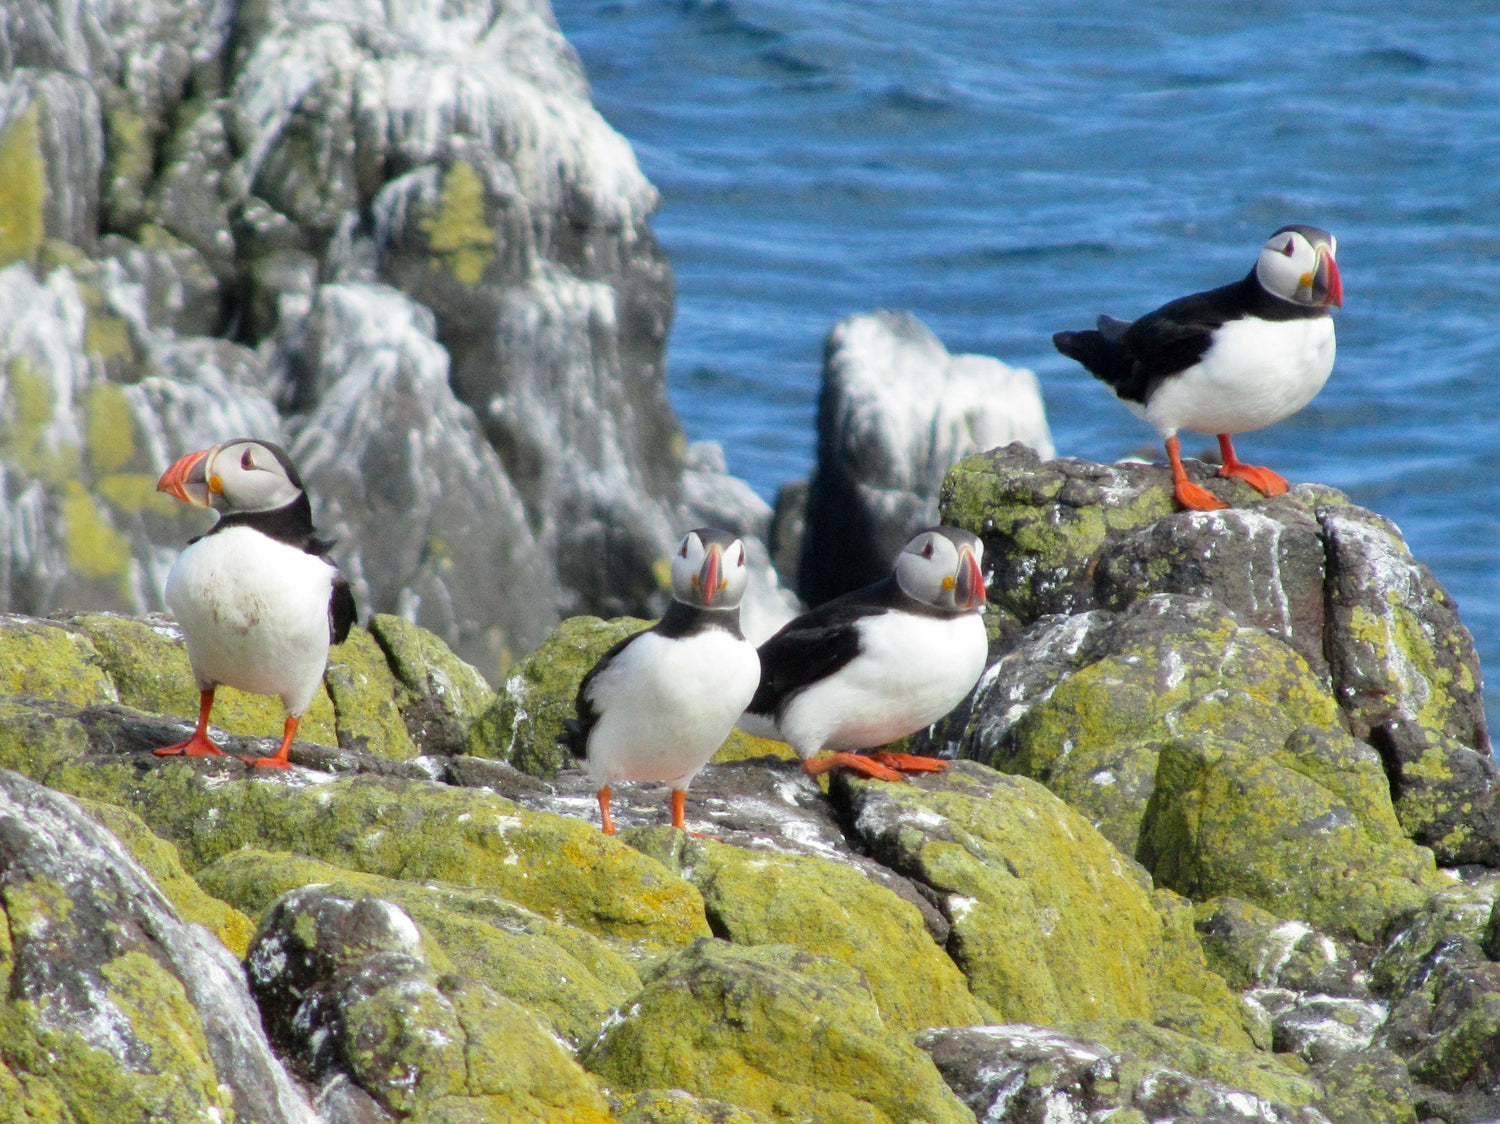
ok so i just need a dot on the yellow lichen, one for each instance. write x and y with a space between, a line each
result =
23 188
458 234
94 548
110 428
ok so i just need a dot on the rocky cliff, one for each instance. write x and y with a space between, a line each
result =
399 240
1179 875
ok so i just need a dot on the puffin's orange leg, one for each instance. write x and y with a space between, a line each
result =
607 824
861 764
1263 480
279 759
1192 496
912 763
679 808
198 745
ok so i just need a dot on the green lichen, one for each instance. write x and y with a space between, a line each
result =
160 860
23 187
775 1030
363 691
94 549
460 239
563 975
110 428
134 493
48 662
27 440
828 908
129 158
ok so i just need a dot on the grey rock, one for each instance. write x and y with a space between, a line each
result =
72 972
1020 1074
1250 947
895 412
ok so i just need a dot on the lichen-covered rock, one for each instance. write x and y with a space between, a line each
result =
441 696
1364 1086
674 1106
1188 995
561 868
364 691
159 859
114 1008
1251 947
564 975
346 986
38 658
829 909
1227 819
895 412
522 726
776 1030
1264 1075
1028 885
1017 1074
1458 915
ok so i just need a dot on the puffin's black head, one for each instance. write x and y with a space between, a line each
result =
243 476
1297 264
941 567
708 570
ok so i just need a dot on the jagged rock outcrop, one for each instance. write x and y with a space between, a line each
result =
402 243
895 412
1204 897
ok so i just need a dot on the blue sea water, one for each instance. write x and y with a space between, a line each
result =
1005 170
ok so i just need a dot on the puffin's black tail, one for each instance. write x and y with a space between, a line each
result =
574 738
1102 355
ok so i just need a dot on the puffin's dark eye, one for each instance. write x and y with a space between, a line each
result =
683 552
1289 247
741 562
927 550
247 460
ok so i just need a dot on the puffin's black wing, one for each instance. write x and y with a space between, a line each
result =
816 644
575 734
342 613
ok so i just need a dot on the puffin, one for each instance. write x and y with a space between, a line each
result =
257 598
660 702
1229 360
878 663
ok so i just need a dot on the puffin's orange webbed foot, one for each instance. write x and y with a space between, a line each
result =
196 746
858 762
1263 480
278 760
911 762
1195 497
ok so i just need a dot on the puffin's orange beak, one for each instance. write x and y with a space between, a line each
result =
187 479
969 592
1328 286
710 583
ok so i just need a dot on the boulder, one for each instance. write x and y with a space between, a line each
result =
347 988
774 1029
113 1004
895 412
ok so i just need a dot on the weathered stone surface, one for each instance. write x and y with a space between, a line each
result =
895 412
1019 1074
441 696
826 908
563 975
114 1008
775 1030
674 1106
1027 886
522 725
1251 947
1382 652
346 986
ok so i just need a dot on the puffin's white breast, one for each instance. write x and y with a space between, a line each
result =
1255 373
254 612
911 671
665 705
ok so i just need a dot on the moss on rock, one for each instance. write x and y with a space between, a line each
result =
41 659
566 976
440 696
775 1030
523 725
160 860
1029 886
828 908
363 691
